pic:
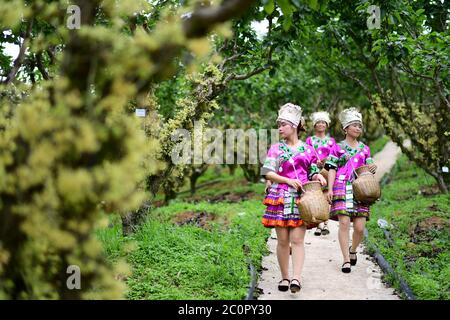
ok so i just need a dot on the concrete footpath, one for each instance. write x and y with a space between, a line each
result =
322 278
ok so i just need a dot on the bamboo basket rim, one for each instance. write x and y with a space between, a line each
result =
365 169
311 182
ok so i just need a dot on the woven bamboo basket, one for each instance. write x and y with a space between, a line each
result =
365 188
324 173
313 206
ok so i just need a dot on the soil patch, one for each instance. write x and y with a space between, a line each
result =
429 191
428 229
199 219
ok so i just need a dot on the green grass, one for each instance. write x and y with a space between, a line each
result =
420 253
378 144
189 262
112 239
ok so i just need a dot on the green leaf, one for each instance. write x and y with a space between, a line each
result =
285 7
296 3
314 4
420 11
272 72
287 23
391 19
269 6
383 61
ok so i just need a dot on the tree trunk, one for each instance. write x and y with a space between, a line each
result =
131 220
169 195
443 186
127 224
193 179
232 168
251 172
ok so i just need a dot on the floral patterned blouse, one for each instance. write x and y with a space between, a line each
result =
293 163
345 159
323 146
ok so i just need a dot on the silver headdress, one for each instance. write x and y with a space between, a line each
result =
290 112
348 116
320 116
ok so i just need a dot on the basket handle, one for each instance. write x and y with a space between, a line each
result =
315 151
291 161
353 168
365 174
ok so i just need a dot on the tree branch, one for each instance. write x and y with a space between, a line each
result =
41 67
438 86
352 77
198 23
226 60
224 46
333 103
396 80
407 68
51 54
250 74
18 62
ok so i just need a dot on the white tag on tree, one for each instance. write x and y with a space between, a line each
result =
445 169
140 112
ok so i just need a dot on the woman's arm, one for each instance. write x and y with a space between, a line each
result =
320 163
268 184
320 178
279 179
369 160
331 178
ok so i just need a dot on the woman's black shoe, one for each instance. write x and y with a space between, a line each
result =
295 287
283 287
346 269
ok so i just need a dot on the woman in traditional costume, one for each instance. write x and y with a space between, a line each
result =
289 164
348 155
322 144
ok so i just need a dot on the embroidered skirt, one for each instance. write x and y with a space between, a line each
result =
344 203
282 210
